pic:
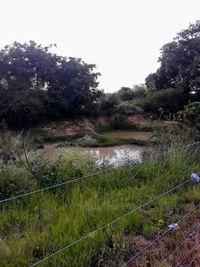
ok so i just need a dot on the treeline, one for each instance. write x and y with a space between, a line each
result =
37 85
175 84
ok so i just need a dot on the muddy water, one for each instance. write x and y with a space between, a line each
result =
115 155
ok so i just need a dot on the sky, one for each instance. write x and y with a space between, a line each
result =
122 37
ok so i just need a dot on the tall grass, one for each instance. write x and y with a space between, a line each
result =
41 224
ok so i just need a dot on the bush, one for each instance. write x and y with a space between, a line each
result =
191 114
70 165
116 124
14 181
163 102
10 145
129 107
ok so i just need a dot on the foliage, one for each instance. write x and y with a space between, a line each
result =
191 114
71 165
108 104
10 144
107 140
125 94
117 123
129 108
179 66
163 102
36 85
14 180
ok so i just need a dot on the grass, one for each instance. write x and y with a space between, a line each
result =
41 224
105 141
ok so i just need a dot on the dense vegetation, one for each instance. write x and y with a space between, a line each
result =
37 85
175 84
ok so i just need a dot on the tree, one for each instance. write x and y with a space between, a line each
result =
36 85
125 93
179 64
164 101
27 66
76 84
108 103
139 90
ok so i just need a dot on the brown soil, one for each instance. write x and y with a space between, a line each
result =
160 251
66 128
85 126
138 119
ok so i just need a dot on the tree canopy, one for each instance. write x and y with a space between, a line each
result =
179 66
36 84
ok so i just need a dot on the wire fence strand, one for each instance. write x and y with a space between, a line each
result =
110 223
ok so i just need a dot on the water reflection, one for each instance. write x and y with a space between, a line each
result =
116 156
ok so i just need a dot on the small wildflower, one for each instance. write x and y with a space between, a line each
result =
195 177
173 227
160 221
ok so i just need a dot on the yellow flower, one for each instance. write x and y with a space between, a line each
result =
160 222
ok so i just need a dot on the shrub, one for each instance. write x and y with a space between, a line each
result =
70 165
163 102
14 181
10 145
191 114
129 107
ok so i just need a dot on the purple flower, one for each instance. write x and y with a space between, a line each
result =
195 177
173 227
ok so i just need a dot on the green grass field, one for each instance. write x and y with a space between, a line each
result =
41 224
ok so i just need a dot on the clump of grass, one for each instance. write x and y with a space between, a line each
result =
107 140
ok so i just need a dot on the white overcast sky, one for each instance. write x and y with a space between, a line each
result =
122 37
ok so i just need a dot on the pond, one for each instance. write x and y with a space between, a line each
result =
115 155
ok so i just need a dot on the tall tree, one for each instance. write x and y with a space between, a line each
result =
36 84
179 64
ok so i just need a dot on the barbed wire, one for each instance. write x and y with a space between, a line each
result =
87 176
162 235
110 223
